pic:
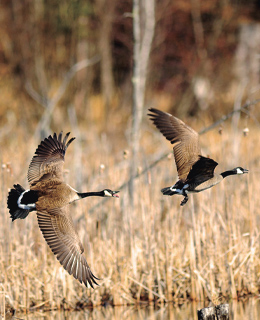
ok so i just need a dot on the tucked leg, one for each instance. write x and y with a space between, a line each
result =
185 200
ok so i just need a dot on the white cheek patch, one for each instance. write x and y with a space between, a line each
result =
239 171
107 194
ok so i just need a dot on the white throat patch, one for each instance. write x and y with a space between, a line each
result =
239 171
107 194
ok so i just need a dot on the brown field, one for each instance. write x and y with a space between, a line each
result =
156 251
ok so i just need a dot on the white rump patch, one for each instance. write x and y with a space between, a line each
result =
175 190
25 206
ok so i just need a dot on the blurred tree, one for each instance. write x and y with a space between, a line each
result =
143 29
106 11
192 53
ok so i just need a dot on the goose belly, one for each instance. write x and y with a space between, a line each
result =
203 186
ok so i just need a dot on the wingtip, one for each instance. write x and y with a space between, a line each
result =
60 136
90 282
151 110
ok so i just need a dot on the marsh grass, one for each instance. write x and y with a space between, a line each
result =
158 251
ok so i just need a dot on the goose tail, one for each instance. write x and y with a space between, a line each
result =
168 191
12 203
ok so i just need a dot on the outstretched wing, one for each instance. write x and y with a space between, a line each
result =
201 171
185 140
58 230
48 159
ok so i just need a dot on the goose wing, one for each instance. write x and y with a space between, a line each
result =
201 171
185 140
48 159
58 230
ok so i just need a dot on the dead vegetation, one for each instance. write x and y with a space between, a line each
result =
160 252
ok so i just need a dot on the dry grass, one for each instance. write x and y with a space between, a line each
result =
158 251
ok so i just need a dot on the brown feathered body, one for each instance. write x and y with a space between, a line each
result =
53 193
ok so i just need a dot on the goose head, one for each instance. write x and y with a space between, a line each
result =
110 193
240 170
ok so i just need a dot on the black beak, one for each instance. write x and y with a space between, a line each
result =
246 171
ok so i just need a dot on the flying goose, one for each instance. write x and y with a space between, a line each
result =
196 173
50 196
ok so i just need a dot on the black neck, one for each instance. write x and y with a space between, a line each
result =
228 173
91 194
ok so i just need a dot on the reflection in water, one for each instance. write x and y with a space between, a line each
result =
249 310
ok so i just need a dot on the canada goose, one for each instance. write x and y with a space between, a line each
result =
196 173
50 196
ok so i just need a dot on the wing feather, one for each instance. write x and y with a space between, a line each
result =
185 140
58 230
48 159
201 171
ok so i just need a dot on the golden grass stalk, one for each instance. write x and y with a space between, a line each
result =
158 251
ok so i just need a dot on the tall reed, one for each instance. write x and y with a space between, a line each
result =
208 249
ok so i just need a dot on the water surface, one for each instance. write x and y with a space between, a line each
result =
249 310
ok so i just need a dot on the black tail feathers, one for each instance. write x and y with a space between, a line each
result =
168 192
15 211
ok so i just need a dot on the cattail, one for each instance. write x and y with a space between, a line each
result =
126 152
169 156
102 167
245 131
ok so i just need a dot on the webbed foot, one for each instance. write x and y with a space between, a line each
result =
185 200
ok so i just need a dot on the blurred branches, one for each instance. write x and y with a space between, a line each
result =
190 58
106 13
143 35
50 103
244 108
